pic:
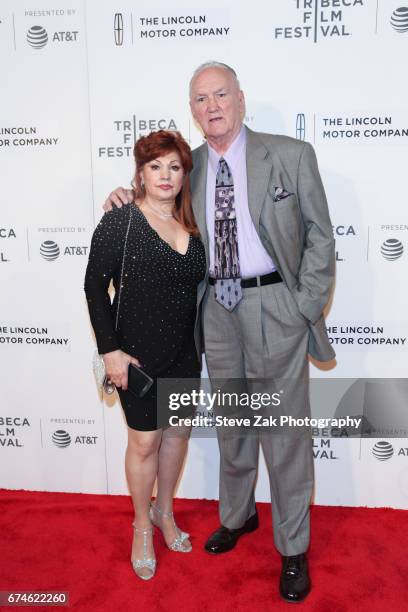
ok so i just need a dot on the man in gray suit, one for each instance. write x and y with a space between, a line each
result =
261 209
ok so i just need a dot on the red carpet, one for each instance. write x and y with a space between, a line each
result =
81 544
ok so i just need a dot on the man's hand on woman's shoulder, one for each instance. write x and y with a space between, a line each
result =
118 197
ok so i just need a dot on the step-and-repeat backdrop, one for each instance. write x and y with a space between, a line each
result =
82 81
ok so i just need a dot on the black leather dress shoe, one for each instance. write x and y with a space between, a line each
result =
224 539
294 581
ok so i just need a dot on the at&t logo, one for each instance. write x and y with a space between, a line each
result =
61 438
399 19
37 37
50 250
383 450
392 249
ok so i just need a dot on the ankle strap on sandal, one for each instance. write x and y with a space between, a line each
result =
141 530
165 514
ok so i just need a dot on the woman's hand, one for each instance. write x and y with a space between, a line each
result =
116 367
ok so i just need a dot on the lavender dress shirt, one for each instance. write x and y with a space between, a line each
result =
253 258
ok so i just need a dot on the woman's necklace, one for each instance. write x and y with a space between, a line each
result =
161 214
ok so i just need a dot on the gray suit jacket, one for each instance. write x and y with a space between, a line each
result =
296 230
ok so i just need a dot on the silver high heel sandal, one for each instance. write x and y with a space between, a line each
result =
146 562
178 544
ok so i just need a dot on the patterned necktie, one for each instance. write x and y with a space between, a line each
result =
227 272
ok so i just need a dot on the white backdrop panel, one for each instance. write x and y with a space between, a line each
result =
82 83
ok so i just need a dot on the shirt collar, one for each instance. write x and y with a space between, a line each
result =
231 156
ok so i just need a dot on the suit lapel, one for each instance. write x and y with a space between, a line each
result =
259 166
198 179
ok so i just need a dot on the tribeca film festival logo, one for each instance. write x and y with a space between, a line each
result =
322 449
399 20
325 19
341 233
129 130
316 19
5 234
11 429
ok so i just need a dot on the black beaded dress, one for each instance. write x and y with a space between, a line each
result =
157 303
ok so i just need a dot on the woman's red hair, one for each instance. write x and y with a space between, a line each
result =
155 145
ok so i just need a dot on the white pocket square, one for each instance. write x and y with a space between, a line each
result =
281 194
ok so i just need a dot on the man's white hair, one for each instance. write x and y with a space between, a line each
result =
214 64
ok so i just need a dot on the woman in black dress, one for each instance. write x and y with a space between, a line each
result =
156 241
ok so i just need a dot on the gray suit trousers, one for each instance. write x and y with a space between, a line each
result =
264 337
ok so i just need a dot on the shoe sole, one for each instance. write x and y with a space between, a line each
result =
294 601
